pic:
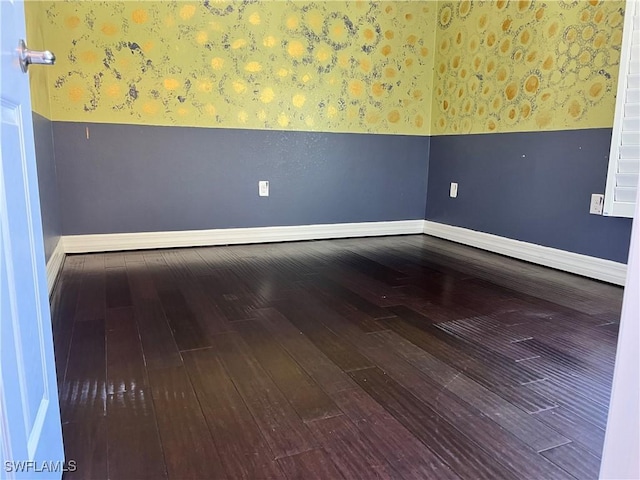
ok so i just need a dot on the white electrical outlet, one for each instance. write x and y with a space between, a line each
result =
263 188
597 204
453 190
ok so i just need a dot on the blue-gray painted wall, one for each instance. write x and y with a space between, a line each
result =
47 183
534 187
128 178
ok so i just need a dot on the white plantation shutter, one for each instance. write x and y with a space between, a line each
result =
624 158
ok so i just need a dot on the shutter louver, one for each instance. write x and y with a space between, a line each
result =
624 158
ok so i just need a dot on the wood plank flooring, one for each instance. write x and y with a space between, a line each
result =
395 357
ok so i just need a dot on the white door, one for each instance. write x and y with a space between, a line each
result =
30 429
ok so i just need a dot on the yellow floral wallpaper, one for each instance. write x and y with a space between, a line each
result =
348 66
413 67
525 65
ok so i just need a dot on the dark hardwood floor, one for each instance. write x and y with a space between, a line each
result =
397 357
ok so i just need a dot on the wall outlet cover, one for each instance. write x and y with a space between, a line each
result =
597 204
263 188
453 190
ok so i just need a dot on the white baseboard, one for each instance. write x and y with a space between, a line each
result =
605 270
231 236
54 265
592 267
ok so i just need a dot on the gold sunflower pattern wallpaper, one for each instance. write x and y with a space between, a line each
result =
349 66
412 67
504 66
